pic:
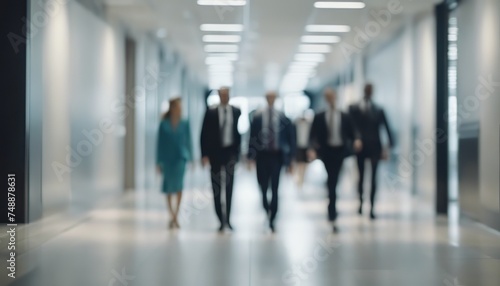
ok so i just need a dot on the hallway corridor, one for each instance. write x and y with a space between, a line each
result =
126 242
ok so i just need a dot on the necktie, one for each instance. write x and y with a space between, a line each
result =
224 123
332 124
272 137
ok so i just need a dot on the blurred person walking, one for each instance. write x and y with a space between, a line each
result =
220 147
333 137
302 126
369 118
272 146
174 150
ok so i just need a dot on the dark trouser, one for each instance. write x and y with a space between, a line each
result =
269 165
374 159
223 167
333 157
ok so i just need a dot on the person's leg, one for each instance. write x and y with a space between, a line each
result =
263 175
361 175
301 172
229 169
374 163
178 207
216 175
275 165
170 209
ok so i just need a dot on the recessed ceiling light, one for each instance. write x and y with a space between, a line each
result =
232 56
221 27
340 5
222 2
221 38
221 48
320 39
314 48
309 57
302 64
328 28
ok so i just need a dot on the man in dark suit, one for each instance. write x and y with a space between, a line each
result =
272 146
220 147
332 138
369 118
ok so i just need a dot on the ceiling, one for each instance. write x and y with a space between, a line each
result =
271 36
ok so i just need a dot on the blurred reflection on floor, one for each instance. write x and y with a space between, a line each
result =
127 242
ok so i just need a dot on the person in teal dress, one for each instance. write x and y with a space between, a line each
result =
174 150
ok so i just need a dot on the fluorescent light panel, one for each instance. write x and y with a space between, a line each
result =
320 39
328 28
221 38
314 48
222 2
340 5
310 57
221 27
221 48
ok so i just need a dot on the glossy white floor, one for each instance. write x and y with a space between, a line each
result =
127 242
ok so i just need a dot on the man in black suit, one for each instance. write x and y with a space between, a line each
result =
332 138
369 118
220 147
272 146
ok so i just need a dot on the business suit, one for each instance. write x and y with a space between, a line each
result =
272 146
368 119
223 157
332 151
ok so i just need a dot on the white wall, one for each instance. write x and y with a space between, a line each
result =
479 103
78 69
403 74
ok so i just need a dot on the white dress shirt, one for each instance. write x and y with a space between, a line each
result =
227 132
266 124
303 127
334 127
365 105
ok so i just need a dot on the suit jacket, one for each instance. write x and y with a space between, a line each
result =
211 138
286 133
319 134
368 123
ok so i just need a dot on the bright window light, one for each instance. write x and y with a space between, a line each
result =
320 39
328 28
310 57
314 48
221 48
222 38
340 5
222 2
221 27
